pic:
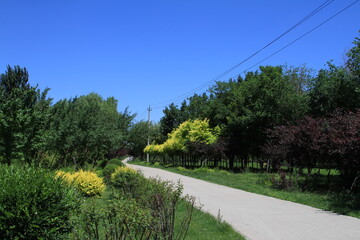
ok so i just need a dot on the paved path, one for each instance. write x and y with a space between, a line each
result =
259 217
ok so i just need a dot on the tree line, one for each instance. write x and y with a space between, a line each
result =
278 115
73 131
272 117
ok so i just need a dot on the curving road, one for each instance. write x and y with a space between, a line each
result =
259 217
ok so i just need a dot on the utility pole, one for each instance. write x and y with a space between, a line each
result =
148 140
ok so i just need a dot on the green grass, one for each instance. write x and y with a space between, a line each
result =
338 202
204 226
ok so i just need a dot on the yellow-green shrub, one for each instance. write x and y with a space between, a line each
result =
86 182
189 131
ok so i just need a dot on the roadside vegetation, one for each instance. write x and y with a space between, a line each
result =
70 204
59 178
287 132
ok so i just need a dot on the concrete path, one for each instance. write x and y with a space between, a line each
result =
259 217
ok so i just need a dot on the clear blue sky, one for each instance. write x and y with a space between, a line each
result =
146 52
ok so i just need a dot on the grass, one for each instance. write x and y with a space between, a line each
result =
260 183
204 226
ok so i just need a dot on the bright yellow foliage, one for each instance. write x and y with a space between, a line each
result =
122 170
87 182
189 131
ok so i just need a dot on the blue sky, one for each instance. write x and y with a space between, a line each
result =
148 52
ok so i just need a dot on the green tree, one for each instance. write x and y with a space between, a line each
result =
353 61
86 128
246 108
334 88
172 118
138 135
24 114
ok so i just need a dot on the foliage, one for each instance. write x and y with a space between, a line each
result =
145 211
23 116
115 161
173 117
107 171
353 61
264 99
282 181
138 135
244 109
86 129
188 131
118 219
34 204
161 197
328 142
334 88
125 179
88 183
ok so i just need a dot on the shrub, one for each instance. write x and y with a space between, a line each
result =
116 161
204 170
108 170
282 181
34 204
157 164
88 183
162 197
182 169
101 164
117 219
126 179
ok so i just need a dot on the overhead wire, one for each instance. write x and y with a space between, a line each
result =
292 42
315 11
297 39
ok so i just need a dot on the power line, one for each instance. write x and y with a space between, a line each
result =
297 39
143 113
315 11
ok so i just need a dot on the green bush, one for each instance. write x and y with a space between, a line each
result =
116 161
162 197
116 219
101 164
107 171
126 179
34 204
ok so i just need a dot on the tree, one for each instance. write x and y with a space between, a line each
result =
331 142
24 114
188 131
172 118
333 88
86 128
353 61
246 108
138 134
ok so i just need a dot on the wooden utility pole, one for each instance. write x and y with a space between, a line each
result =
148 140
